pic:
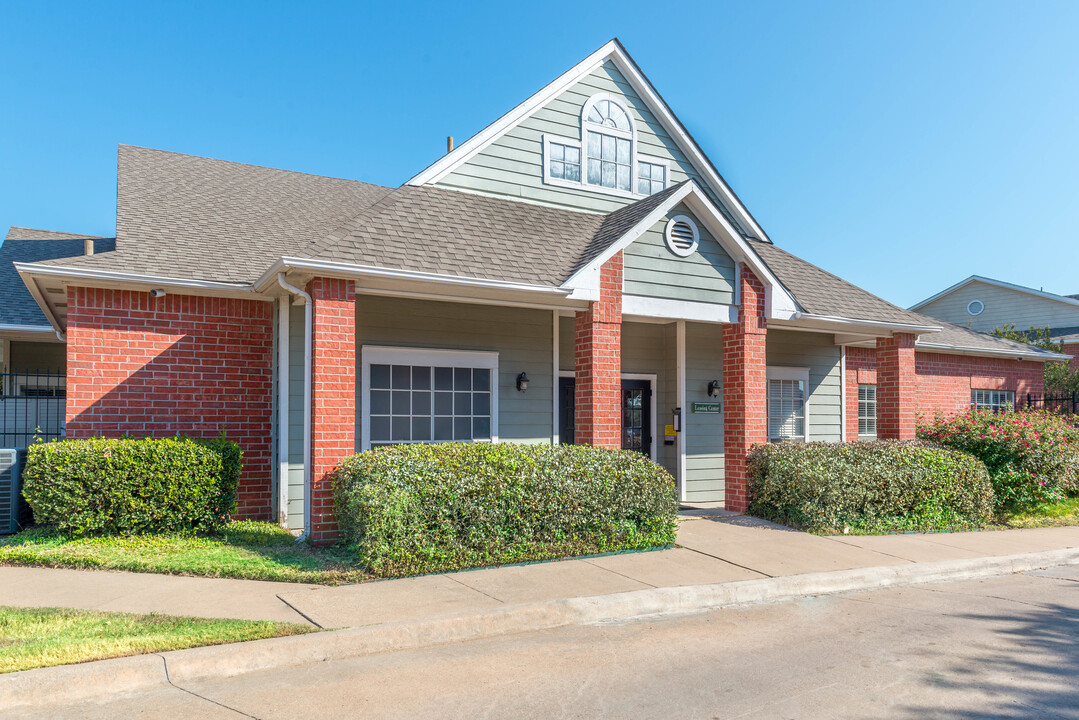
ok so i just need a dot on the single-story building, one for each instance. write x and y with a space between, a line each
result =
577 271
984 304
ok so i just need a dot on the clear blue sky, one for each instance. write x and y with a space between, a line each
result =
902 146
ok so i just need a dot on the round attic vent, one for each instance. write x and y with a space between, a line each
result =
975 307
682 235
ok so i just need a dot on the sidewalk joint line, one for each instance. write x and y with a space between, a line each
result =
464 584
717 557
627 577
168 679
299 612
879 552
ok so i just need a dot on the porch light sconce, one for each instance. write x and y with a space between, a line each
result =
677 413
522 382
713 388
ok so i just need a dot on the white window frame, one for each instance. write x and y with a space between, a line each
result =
775 372
861 435
385 355
652 160
581 143
1007 406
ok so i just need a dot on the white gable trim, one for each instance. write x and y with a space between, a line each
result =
997 283
779 303
614 52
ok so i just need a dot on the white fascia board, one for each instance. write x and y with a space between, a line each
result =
74 274
45 329
1000 284
614 52
348 270
987 352
779 302
847 322
678 309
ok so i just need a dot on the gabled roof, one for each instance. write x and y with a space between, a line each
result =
616 54
183 216
1066 299
27 245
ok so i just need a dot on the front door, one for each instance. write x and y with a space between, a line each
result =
636 401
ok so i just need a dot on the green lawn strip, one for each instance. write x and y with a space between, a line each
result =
43 637
1058 514
246 550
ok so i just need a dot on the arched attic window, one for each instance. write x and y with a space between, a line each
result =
609 139
605 157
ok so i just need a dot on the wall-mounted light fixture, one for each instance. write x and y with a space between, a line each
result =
677 413
713 388
522 382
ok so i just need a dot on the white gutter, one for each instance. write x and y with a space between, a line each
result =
158 280
307 334
338 269
27 328
989 352
900 327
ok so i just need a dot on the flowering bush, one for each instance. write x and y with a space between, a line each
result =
1032 456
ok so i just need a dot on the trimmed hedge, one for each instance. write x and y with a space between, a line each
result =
1032 456
103 486
411 509
869 486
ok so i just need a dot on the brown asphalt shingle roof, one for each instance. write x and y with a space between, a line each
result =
191 217
21 233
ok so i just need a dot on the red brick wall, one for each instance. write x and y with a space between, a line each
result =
745 419
598 363
942 382
895 387
178 364
1073 350
333 395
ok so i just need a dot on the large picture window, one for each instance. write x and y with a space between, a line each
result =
417 396
787 394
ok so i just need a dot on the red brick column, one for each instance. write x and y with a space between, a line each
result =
896 387
333 395
598 363
745 389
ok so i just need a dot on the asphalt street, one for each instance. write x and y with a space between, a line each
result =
1002 647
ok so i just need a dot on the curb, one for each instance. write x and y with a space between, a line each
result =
107 678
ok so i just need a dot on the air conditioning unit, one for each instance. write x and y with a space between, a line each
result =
14 512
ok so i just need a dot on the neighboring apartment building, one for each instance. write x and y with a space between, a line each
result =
985 304
578 271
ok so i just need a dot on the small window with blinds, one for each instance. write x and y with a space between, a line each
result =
867 411
995 400
787 404
682 235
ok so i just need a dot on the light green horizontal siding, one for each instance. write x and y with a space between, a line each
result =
1003 306
521 337
819 353
652 270
513 164
704 432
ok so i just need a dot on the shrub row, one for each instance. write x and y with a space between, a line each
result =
872 486
413 509
1032 456
126 486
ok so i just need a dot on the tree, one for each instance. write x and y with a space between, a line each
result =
1060 378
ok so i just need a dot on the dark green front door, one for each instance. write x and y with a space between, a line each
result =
636 401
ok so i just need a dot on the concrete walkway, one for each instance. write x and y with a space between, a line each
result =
716 548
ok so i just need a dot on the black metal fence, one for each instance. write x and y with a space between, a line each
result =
31 406
1063 403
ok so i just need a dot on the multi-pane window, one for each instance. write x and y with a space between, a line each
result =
429 403
786 409
995 400
564 162
867 411
651 177
609 161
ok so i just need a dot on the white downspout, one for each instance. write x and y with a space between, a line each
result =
284 306
307 317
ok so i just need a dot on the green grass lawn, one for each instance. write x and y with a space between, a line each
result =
245 549
1065 512
43 637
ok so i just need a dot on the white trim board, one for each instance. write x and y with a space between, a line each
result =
1000 284
614 52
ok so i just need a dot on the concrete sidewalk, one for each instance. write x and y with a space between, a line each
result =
716 548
